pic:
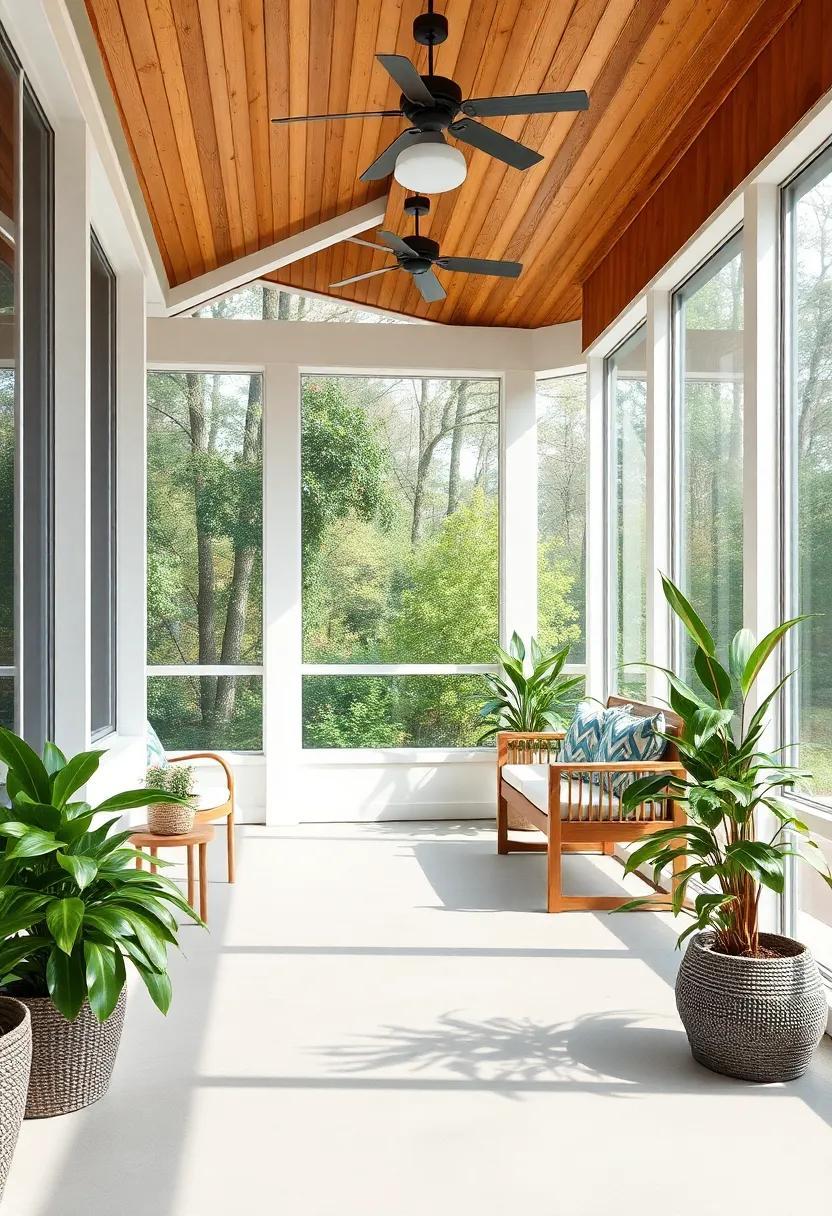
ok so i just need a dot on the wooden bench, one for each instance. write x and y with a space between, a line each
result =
576 814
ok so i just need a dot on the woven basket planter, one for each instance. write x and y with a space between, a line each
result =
167 819
15 1061
72 1062
755 1018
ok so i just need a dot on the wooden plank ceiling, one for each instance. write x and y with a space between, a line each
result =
196 82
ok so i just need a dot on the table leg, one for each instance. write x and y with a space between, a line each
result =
138 863
190 848
153 852
203 882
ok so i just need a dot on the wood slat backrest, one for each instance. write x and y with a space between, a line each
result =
673 723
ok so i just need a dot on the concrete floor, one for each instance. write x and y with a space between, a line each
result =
382 1023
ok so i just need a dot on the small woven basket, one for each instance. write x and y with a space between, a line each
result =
72 1062
15 1061
168 819
755 1018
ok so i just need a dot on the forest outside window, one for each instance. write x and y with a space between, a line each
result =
400 545
626 405
204 530
708 422
261 302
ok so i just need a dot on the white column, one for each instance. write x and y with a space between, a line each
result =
761 547
72 438
282 642
131 483
658 488
518 533
597 535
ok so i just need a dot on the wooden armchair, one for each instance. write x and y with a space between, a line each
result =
217 804
575 814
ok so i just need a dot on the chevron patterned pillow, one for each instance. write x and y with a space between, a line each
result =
583 737
626 738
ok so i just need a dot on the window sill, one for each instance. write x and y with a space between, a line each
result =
374 757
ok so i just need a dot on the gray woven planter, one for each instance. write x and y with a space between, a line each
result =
755 1018
15 1059
72 1062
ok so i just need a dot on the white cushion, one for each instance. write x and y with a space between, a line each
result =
532 781
208 796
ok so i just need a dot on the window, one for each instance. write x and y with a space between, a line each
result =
626 403
205 491
259 302
26 407
400 547
561 513
102 491
708 400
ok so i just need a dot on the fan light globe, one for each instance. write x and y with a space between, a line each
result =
430 168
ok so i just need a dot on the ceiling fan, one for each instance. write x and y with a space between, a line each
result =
418 255
420 158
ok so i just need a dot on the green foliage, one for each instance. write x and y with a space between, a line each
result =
728 779
175 779
528 696
73 910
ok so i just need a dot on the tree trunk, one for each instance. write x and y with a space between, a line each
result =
456 445
200 438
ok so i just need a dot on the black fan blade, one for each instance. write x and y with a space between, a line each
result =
499 146
384 164
396 243
356 240
429 286
407 78
331 117
371 274
504 270
526 103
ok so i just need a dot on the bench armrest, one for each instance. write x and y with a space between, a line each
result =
229 776
671 767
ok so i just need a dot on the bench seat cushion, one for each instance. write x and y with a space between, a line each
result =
532 781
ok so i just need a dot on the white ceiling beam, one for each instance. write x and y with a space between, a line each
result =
190 295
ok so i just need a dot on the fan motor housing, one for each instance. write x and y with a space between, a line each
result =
425 250
448 98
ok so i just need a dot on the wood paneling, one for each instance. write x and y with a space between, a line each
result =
781 84
196 82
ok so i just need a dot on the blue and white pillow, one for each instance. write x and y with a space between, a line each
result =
627 738
156 757
583 738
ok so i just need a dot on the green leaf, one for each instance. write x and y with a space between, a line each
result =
739 652
75 773
53 758
151 937
131 799
35 843
66 981
105 978
83 869
762 651
713 675
158 985
108 921
64 918
516 647
25 764
37 814
708 722
688 616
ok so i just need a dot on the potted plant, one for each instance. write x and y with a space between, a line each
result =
73 912
530 695
752 1003
15 1061
171 818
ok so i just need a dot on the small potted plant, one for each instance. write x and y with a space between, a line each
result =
15 1062
752 1003
171 818
73 912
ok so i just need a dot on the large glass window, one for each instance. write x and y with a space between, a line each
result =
102 491
400 557
205 490
259 302
708 406
626 396
561 513
26 406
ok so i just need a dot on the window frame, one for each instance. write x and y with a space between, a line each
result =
110 497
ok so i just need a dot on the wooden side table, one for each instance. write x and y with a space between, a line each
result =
200 837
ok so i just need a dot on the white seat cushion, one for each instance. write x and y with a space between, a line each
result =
208 796
532 781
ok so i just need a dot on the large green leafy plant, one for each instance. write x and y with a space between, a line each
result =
730 779
73 909
528 696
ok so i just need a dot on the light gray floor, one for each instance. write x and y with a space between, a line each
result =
383 1023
